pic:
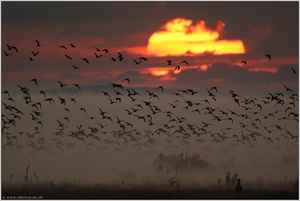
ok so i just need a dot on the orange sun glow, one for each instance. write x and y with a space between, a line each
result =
179 37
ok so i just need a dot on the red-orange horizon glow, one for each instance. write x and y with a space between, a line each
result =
180 37
215 80
162 72
165 73
157 71
204 67
262 69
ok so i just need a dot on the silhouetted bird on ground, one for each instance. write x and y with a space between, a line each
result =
296 185
72 45
219 181
26 175
238 188
169 62
268 56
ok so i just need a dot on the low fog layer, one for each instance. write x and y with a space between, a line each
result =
186 137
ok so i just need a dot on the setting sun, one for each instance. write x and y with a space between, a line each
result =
179 37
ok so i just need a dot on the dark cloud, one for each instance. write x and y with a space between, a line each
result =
134 76
230 76
132 17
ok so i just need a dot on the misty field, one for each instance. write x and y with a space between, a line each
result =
47 190
168 176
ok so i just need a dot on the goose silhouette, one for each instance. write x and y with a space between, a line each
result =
184 62
34 80
126 79
77 85
238 188
61 84
294 71
268 56
137 62
62 46
97 56
10 47
38 44
68 57
105 50
35 53
86 60
7 54
143 58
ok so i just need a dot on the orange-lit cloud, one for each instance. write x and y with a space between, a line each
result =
167 73
179 37
269 70
164 73
260 65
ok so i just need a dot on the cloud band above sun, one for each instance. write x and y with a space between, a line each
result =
179 37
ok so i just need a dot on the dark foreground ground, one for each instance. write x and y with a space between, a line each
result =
71 192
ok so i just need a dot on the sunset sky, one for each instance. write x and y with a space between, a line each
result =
213 37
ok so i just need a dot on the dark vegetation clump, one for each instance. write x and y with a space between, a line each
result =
189 161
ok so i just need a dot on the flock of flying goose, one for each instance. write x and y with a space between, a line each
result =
141 117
